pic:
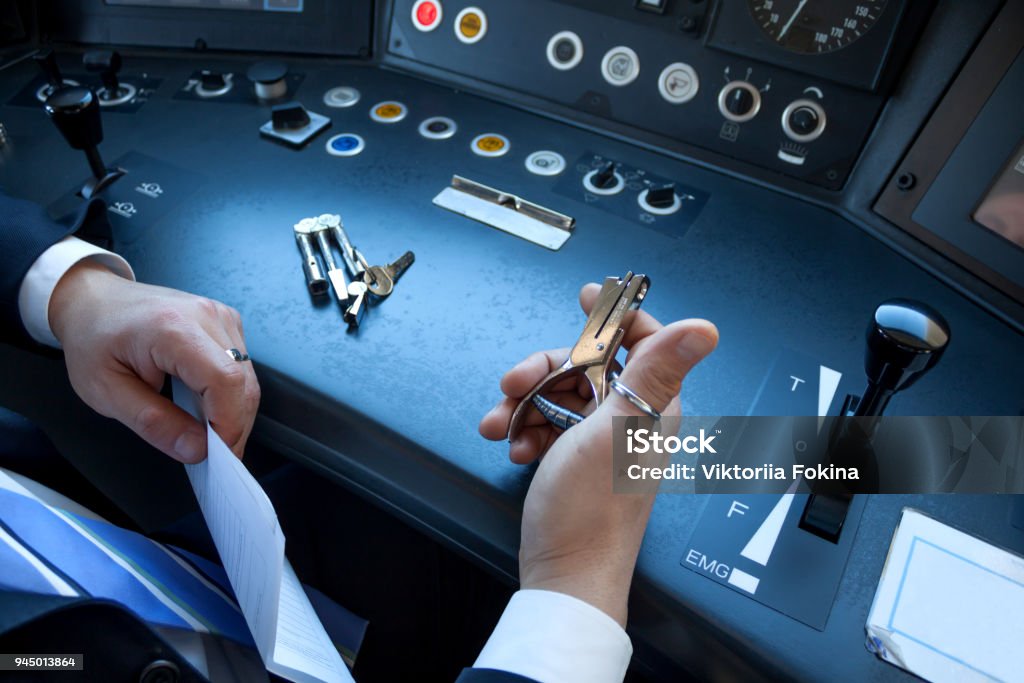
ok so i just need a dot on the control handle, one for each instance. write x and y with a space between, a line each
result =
905 339
47 61
76 113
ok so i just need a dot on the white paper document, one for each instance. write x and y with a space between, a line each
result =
949 606
242 521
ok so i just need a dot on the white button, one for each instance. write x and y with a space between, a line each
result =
438 128
545 162
678 83
620 66
471 25
426 14
345 145
490 145
565 50
341 97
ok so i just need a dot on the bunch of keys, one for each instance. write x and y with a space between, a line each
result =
362 280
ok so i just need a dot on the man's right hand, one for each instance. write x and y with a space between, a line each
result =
578 537
121 339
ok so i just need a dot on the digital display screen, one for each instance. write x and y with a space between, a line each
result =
1002 210
251 5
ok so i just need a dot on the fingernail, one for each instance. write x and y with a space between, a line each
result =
694 346
189 447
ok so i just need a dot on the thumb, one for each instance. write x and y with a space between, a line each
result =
660 363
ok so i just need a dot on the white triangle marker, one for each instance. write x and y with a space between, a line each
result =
828 383
760 546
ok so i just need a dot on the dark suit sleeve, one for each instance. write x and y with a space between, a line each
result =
26 232
491 676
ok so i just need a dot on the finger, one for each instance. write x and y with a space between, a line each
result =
250 397
518 381
197 356
157 420
657 370
530 444
641 323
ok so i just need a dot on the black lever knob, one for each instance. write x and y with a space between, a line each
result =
605 176
108 64
47 61
290 116
76 113
905 339
662 197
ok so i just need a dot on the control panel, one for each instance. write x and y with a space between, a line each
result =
797 99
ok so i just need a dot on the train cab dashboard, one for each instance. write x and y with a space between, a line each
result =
778 167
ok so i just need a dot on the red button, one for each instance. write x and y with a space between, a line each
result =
427 13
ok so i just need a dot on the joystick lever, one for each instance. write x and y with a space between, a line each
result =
905 339
107 63
76 113
47 61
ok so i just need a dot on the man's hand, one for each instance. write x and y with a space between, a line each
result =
121 338
578 537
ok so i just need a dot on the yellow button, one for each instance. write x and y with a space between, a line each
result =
388 112
490 145
470 25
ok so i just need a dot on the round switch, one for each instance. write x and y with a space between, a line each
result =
388 112
662 201
426 14
269 79
490 145
803 120
545 162
565 50
341 97
604 180
345 145
470 25
213 84
739 101
620 66
438 128
678 83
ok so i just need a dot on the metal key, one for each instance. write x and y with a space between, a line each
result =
310 266
336 275
381 279
348 252
354 313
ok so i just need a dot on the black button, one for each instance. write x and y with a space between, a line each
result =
662 197
803 121
160 671
438 126
291 116
565 50
739 101
212 80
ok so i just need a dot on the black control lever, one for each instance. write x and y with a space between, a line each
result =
76 113
47 61
107 63
905 339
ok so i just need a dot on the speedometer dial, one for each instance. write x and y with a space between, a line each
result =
815 26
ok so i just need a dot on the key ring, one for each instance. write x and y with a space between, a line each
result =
634 398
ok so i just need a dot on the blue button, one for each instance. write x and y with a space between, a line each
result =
345 145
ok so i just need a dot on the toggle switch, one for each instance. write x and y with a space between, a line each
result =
108 64
604 179
46 59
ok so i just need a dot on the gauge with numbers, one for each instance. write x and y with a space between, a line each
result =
815 26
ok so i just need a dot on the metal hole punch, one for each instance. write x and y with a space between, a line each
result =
593 354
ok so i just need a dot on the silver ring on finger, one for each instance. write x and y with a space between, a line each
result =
634 398
237 355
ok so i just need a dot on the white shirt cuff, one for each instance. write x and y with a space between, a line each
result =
556 638
42 278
